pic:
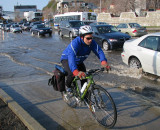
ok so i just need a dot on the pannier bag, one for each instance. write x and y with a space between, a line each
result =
58 79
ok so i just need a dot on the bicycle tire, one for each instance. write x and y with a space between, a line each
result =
102 106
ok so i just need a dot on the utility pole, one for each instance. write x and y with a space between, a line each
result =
100 6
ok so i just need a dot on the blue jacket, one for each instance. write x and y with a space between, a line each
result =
77 51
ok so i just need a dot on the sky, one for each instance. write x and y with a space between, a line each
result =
8 5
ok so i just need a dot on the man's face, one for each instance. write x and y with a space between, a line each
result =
88 39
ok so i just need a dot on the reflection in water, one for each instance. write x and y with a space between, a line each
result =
1 35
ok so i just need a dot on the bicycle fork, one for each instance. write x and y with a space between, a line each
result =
97 102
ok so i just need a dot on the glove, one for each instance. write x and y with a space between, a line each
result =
80 74
105 65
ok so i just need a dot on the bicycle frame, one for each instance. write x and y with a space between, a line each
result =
98 100
91 82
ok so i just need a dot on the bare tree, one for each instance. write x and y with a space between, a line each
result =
153 4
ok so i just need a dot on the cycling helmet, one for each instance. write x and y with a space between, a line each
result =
84 30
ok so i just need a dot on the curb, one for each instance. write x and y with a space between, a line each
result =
27 119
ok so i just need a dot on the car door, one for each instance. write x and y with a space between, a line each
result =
61 27
158 58
150 54
67 29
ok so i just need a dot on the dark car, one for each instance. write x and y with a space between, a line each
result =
108 37
40 29
2 26
69 28
26 26
34 23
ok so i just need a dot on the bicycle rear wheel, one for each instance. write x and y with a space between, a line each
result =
102 106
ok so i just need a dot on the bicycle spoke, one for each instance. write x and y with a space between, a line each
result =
103 107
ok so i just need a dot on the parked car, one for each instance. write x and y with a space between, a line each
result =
15 28
7 27
40 29
34 23
20 24
26 26
143 52
108 37
133 29
69 28
1 25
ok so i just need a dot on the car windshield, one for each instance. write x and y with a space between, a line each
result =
76 24
106 29
40 26
26 24
16 26
134 25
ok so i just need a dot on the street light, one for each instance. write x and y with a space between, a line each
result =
100 6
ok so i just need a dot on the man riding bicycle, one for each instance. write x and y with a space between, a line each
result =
77 51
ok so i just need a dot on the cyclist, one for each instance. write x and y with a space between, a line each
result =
77 51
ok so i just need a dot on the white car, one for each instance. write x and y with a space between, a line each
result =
144 53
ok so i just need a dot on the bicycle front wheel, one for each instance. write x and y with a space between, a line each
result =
102 106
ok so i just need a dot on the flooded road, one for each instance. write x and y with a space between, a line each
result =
24 58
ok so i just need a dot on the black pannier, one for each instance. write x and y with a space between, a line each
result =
58 79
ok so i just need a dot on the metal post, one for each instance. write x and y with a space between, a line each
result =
100 6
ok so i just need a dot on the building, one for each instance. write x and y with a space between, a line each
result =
71 6
33 16
9 15
20 9
25 8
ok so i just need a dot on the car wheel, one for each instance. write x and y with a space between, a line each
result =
105 46
70 35
50 34
38 34
134 63
32 33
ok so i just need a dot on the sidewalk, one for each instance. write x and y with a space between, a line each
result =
40 107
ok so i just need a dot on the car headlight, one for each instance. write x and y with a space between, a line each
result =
41 30
113 40
75 30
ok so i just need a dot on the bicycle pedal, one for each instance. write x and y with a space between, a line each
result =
91 107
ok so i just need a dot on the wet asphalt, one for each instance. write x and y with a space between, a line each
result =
27 62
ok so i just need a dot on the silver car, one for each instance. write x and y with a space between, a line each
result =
133 29
69 28
15 28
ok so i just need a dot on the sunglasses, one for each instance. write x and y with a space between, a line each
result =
89 38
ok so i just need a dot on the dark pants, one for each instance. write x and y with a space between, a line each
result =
70 76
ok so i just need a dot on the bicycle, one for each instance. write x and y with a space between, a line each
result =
97 99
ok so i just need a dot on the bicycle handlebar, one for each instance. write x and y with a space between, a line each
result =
92 71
